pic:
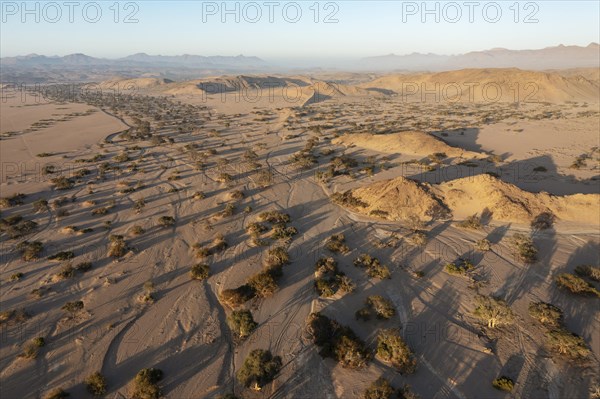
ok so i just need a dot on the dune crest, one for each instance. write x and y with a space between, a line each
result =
410 143
400 198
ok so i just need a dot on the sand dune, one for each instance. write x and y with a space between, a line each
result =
489 85
133 84
410 143
400 198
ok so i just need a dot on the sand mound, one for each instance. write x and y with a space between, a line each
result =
509 203
399 198
410 143
489 85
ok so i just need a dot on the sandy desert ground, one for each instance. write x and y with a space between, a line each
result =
459 201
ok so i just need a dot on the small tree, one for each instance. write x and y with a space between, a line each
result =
145 384
575 284
503 383
73 307
524 247
391 348
380 389
241 323
96 384
382 307
546 313
259 368
200 271
568 344
166 221
263 284
495 312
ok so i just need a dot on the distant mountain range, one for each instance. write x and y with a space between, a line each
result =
34 68
135 60
558 57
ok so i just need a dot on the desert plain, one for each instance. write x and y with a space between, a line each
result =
457 225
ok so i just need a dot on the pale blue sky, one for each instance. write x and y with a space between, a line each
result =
364 28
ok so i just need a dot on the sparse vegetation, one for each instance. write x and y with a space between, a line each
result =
336 244
567 343
62 256
472 222
373 267
378 306
391 348
200 271
145 384
259 368
96 384
525 250
591 272
30 250
547 314
166 221
575 284
460 267
241 323
337 341
503 383
494 312
118 247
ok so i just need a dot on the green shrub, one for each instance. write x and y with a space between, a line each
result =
276 258
96 384
200 271
382 307
568 344
543 221
546 313
73 307
494 312
274 217
32 347
166 221
145 384
524 247
380 389
326 287
575 284
588 271
461 267
118 247
259 369
373 267
16 227
66 272
483 245
63 183
30 250
237 296
503 383
62 256
263 284
241 323
336 244
40 205
337 341
391 348
472 222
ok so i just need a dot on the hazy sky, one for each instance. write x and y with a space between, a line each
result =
343 29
